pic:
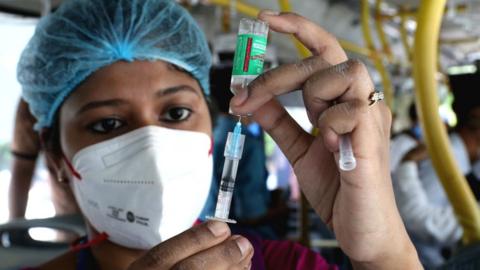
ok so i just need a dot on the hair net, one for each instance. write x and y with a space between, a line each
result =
85 35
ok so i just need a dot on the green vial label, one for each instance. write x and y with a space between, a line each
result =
249 54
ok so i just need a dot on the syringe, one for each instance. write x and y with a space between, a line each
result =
247 65
233 154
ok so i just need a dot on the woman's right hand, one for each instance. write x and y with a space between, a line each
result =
359 205
206 246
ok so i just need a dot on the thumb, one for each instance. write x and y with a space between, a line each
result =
170 252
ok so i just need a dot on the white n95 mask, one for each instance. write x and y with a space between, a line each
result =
145 186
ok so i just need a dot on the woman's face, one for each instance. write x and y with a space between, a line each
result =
125 96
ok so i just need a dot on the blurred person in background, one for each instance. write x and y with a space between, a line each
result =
404 141
420 196
25 150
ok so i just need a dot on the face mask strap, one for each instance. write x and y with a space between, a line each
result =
71 168
75 247
210 152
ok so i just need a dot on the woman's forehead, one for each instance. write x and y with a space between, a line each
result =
130 79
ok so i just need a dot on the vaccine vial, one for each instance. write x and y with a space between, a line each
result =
249 53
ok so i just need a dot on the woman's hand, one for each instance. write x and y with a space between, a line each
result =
206 246
359 205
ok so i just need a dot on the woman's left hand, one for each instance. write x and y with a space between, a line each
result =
359 205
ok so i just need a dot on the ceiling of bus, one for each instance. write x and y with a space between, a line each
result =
460 36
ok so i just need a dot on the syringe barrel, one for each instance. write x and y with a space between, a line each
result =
234 146
227 185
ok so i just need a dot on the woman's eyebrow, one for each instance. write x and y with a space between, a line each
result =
101 103
175 89
117 102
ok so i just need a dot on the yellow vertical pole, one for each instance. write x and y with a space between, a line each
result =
253 11
377 61
424 70
381 34
404 35
241 7
286 7
304 221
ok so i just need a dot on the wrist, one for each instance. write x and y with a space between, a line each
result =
402 256
24 155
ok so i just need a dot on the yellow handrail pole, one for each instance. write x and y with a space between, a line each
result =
304 221
352 47
424 70
241 7
413 12
404 36
459 41
302 51
253 11
377 61
381 34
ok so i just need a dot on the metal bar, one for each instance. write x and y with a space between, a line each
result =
457 41
253 11
304 221
377 61
325 243
381 34
404 37
302 51
241 7
412 12
352 47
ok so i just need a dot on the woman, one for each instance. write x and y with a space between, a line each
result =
119 92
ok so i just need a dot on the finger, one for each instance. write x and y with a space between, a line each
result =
340 119
281 80
358 119
315 38
234 253
175 249
346 81
285 131
246 264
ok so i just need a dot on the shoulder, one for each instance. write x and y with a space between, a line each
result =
66 261
291 255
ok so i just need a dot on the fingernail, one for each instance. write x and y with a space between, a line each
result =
240 98
270 12
243 245
217 228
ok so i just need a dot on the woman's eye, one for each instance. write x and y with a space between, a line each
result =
176 114
106 125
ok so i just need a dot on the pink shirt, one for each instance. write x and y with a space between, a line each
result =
290 255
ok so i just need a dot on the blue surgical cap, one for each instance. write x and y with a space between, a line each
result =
83 36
